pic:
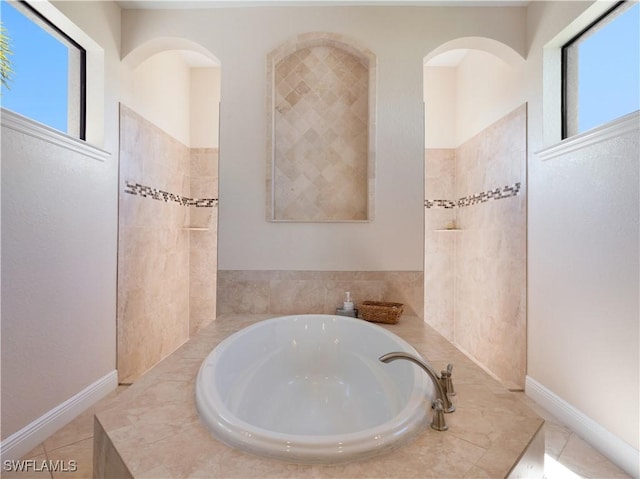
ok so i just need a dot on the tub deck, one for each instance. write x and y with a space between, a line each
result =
153 430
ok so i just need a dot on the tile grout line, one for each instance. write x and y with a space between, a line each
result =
46 455
71 443
564 446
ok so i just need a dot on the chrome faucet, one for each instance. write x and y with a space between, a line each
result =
443 385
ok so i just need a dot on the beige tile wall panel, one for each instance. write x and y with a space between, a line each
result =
439 253
203 257
475 278
153 248
490 316
298 292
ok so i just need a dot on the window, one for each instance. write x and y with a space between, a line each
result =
47 83
601 70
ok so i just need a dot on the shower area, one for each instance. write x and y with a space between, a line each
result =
475 207
168 198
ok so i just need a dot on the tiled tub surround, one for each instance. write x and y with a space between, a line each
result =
322 123
166 276
153 430
475 278
298 292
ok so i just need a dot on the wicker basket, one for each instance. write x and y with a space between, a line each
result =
380 312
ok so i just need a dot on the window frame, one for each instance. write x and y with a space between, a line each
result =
43 22
564 55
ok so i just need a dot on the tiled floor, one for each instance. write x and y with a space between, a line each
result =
567 456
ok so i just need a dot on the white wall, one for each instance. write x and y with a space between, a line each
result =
205 106
180 99
440 98
59 237
487 89
583 256
161 93
401 37
462 100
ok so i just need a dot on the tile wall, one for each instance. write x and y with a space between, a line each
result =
166 272
203 258
475 278
440 243
299 292
153 246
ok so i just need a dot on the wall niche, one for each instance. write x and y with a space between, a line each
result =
321 120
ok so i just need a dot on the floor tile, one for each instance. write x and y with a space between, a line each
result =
556 437
31 467
78 429
76 458
35 452
581 458
82 426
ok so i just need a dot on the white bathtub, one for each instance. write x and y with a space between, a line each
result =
310 389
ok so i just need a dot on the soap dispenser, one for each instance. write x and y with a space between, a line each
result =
348 308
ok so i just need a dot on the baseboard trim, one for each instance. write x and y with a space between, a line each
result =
608 444
24 440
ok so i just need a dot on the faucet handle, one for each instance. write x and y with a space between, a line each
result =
438 422
447 381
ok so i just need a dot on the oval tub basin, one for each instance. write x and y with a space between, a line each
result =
310 389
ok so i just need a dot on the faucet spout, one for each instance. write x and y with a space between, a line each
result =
441 393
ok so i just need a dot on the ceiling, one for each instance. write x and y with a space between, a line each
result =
191 4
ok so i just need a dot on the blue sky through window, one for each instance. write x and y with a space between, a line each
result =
40 64
609 71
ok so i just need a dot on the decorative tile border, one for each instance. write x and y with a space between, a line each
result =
153 193
495 194
446 204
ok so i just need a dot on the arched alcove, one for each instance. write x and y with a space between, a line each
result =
489 45
321 120
474 81
162 44
156 72
475 202
167 239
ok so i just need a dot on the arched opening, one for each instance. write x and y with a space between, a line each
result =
167 261
475 208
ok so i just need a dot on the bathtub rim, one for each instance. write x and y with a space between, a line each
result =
314 449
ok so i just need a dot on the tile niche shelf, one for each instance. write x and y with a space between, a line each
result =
200 219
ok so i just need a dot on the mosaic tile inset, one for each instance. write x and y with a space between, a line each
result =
446 204
495 194
156 194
